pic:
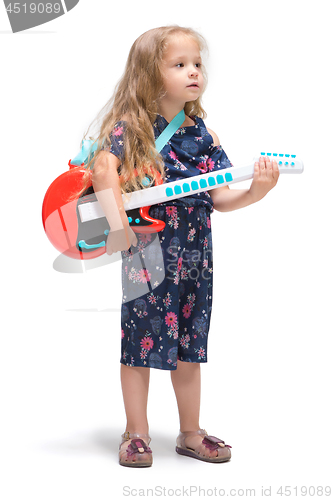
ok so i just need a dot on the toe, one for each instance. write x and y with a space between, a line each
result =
206 452
224 452
126 455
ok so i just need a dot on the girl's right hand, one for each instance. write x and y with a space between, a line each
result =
118 241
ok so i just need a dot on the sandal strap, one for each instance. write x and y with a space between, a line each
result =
136 443
211 442
137 446
193 433
127 436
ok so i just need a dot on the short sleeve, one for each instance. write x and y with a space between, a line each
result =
116 145
219 158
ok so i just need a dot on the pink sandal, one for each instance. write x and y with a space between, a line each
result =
137 452
209 442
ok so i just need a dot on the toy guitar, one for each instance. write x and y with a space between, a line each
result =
79 228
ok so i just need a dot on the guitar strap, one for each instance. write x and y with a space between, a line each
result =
168 132
89 146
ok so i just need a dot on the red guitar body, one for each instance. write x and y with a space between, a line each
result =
62 223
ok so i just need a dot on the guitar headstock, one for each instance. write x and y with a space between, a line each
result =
287 163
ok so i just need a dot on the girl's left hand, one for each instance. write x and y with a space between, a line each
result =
266 175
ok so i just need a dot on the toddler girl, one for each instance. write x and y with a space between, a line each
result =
166 327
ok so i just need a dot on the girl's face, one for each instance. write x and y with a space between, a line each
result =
181 70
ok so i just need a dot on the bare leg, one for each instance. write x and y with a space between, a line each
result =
135 385
186 382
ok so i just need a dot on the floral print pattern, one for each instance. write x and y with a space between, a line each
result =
171 321
189 152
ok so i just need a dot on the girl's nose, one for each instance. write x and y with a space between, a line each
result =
194 71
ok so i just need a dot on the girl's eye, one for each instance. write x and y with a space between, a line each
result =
181 65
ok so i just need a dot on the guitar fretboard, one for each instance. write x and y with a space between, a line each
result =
287 163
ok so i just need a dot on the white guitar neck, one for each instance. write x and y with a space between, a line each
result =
288 164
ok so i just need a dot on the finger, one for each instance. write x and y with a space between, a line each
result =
262 167
256 173
269 168
276 171
262 163
256 169
269 163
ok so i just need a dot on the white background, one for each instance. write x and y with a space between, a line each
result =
266 388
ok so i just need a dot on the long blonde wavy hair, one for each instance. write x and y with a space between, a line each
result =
137 97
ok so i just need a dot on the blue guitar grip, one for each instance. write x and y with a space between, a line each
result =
83 244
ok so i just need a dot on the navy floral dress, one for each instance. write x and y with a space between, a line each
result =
167 279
